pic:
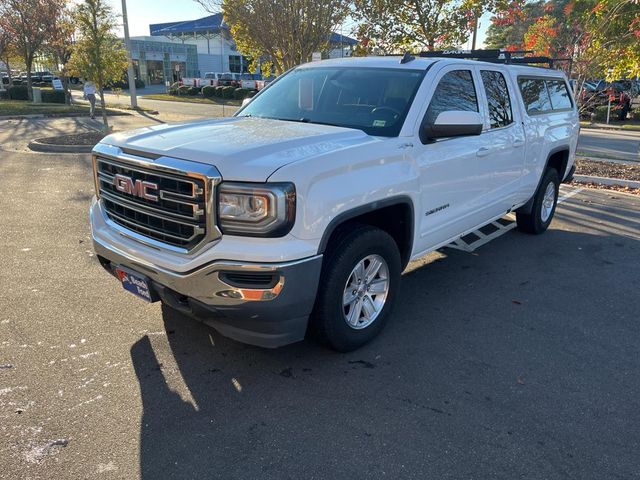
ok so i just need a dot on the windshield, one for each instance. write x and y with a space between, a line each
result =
374 100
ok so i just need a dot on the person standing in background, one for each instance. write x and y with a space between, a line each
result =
90 94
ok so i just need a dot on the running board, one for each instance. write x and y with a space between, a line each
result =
471 241
484 235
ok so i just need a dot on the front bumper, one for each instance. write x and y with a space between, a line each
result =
270 316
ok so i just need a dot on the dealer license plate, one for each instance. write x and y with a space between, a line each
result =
135 283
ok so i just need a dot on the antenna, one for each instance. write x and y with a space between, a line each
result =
407 57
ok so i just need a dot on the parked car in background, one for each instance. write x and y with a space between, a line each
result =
39 76
260 84
630 87
598 93
229 80
250 80
15 75
211 78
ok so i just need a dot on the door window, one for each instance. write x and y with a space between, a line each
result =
499 102
455 91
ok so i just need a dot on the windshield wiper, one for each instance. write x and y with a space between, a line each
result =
308 120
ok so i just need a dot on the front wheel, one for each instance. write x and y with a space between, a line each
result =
544 205
358 286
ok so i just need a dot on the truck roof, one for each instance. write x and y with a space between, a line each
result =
421 63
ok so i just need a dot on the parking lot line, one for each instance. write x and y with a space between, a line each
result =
569 194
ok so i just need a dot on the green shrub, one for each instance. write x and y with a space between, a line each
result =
240 93
18 92
53 96
600 113
251 93
4 95
635 114
227 92
173 89
208 91
193 91
184 89
17 82
124 84
218 91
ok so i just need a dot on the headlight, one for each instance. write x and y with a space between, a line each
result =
260 209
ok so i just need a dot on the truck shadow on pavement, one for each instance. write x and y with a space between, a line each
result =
515 360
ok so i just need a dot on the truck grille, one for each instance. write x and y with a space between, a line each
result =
174 213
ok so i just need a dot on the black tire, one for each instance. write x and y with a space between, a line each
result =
344 253
534 223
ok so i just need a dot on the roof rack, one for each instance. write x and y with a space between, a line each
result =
495 56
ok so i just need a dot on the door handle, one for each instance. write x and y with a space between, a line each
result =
518 142
483 152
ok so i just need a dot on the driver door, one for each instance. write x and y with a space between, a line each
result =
453 179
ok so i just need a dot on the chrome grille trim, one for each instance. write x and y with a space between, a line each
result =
197 231
186 223
155 212
178 198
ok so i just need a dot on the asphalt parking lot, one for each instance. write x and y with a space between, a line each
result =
517 360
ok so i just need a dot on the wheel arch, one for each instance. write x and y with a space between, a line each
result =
393 215
557 158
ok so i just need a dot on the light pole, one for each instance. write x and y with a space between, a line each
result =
127 44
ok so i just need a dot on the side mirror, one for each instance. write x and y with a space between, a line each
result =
452 123
246 101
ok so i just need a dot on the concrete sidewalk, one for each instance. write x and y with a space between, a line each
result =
611 126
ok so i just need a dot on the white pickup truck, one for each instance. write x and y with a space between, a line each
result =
299 213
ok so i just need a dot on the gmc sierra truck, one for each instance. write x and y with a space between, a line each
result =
299 213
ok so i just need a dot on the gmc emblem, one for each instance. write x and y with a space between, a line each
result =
137 188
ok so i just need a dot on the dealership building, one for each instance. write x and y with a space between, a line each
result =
191 48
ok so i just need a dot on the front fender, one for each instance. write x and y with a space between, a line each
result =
339 185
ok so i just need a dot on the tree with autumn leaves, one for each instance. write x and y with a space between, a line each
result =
280 34
97 54
77 38
395 26
30 24
600 37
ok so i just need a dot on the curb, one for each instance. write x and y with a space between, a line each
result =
618 182
113 113
611 127
609 159
37 146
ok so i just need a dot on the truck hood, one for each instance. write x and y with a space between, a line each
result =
241 148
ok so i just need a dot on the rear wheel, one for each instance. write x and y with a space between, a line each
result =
360 277
544 205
